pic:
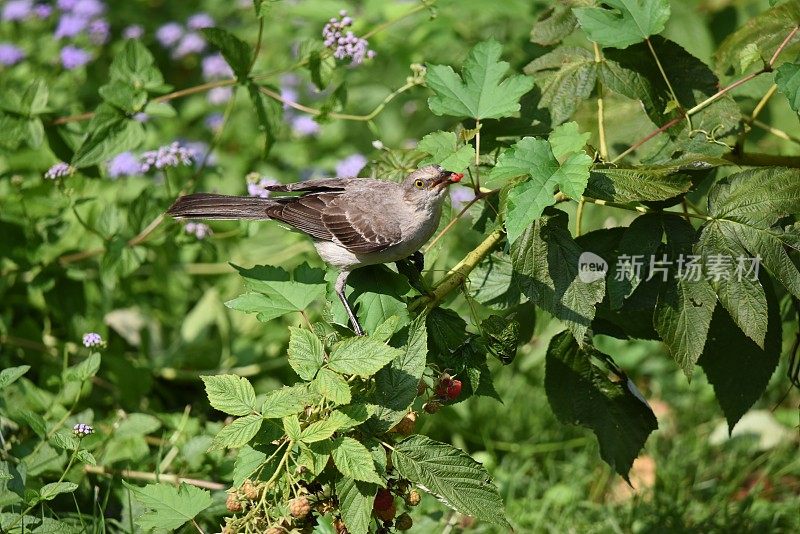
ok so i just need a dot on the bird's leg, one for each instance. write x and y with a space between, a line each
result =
419 261
411 268
341 281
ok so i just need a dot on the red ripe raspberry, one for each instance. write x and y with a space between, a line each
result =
299 507
453 389
388 514
444 382
383 500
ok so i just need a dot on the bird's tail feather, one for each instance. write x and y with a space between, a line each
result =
210 206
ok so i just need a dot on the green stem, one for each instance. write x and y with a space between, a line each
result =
640 209
477 183
579 217
601 129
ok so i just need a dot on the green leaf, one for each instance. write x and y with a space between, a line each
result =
396 385
377 292
730 356
627 22
315 456
238 433
11 374
766 31
353 460
566 140
34 99
534 159
351 416
451 475
85 369
384 331
269 113
546 269
581 393
640 241
121 95
492 283
286 401
54 489
319 430
248 460
483 93
355 501
447 331
305 353
566 77
332 386
235 51
445 150
170 507
502 337
291 425
230 394
276 292
110 133
135 66
553 25
640 183
361 356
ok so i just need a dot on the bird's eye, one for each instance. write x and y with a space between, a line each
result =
419 184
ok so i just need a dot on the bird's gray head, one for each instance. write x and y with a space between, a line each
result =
429 184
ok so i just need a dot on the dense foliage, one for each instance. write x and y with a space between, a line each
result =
631 181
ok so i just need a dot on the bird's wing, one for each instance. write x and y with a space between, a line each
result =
304 213
362 230
313 186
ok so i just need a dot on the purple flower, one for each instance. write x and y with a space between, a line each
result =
133 31
88 8
344 43
10 54
199 151
290 94
59 170
200 20
215 66
257 185
191 43
169 34
73 57
81 430
214 121
304 125
350 166
70 25
141 117
92 339
43 10
219 95
199 230
98 31
66 5
17 10
167 156
460 195
124 164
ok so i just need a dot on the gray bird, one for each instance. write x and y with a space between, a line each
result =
353 221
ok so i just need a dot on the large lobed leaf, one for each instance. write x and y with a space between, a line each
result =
361 356
169 507
566 76
627 22
445 150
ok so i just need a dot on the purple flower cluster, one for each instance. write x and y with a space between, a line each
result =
302 125
124 164
73 57
215 67
257 185
343 42
92 339
59 170
183 43
214 121
81 430
460 195
199 230
219 95
350 166
17 10
172 155
134 31
10 54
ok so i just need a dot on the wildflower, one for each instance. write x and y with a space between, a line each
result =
199 230
199 151
70 25
214 121
81 430
257 185
59 170
219 95
344 43
460 196
215 66
191 43
141 117
10 54
169 34
92 339
167 156
73 57
66 5
350 166
304 125
124 164
43 10
133 31
17 10
200 20
98 31
88 8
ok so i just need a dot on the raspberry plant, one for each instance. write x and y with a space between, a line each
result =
338 446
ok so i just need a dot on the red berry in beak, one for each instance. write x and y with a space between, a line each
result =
456 177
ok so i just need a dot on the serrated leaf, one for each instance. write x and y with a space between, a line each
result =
54 489
640 183
269 113
169 507
566 77
123 96
626 22
737 368
546 269
451 475
231 394
553 25
291 425
483 93
534 159
247 462
444 150
332 386
787 78
353 460
355 501
447 331
351 415
565 139
287 401
86 457
492 283
109 133
319 430
276 292
238 433
377 293
361 356
639 243
85 369
384 331
11 374
501 336
305 353
135 66
65 441
315 456
235 51
581 393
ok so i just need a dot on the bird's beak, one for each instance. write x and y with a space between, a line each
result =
447 178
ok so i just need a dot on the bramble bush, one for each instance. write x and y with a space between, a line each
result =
113 323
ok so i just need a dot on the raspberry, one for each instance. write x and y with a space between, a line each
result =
249 490
233 504
406 425
383 500
413 498
421 388
387 514
275 530
299 507
444 382
432 406
403 522
453 389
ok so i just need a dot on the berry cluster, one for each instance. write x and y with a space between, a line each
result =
447 389
343 42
